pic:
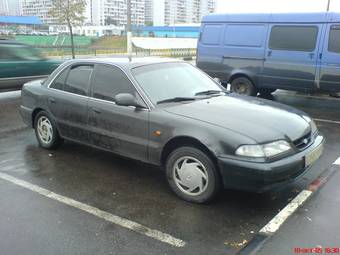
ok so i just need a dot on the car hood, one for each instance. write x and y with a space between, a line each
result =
262 120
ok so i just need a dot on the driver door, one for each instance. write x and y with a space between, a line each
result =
121 129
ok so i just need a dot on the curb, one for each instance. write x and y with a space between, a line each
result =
274 224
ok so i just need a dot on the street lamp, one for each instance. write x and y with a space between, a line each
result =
328 5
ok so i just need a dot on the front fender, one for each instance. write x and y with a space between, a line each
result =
219 141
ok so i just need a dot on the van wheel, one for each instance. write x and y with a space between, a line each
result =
266 92
192 175
243 86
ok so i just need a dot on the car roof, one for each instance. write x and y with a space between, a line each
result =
6 41
314 17
127 63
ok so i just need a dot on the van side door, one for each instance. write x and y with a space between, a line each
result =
209 50
330 59
291 56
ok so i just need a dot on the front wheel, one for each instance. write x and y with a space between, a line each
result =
46 131
192 175
243 86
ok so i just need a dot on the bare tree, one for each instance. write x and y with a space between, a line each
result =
69 12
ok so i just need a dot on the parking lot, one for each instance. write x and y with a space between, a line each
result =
104 204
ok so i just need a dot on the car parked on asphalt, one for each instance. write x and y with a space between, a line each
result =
264 52
171 114
20 63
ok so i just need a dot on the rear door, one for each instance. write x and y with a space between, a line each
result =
291 56
121 129
68 101
330 59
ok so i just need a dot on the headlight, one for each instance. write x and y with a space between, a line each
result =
264 150
312 124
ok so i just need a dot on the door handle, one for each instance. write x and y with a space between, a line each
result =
52 100
269 53
96 110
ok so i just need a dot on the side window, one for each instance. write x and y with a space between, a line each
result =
58 83
244 35
211 34
110 81
293 38
78 80
5 54
334 39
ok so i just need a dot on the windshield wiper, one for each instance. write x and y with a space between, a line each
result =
176 99
209 92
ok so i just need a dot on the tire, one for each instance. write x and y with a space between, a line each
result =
204 179
46 131
243 86
266 92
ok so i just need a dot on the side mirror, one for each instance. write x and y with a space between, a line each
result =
126 99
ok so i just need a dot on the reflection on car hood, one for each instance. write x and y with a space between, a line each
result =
260 119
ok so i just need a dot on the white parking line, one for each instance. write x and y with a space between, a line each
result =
125 223
284 214
337 162
327 121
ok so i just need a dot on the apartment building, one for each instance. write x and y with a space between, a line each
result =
97 12
115 11
38 8
9 7
168 12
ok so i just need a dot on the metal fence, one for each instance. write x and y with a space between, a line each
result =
64 51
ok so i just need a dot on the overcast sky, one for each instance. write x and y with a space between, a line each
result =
231 6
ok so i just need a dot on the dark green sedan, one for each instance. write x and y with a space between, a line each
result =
20 63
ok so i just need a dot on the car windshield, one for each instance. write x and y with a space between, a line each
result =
166 81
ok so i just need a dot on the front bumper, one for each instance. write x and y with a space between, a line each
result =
260 177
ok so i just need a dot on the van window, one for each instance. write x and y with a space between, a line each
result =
244 35
211 34
293 38
334 39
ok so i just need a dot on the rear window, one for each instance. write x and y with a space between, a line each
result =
244 35
334 39
78 80
293 38
211 34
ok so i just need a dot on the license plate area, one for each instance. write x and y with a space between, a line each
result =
313 156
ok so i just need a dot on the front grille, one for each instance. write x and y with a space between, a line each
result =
304 141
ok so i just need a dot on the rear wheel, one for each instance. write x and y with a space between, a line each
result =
46 131
243 86
192 175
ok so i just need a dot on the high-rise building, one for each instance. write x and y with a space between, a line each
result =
9 7
39 8
155 12
115 12
160 12
97 12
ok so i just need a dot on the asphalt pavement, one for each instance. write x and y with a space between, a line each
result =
37 223
314 228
